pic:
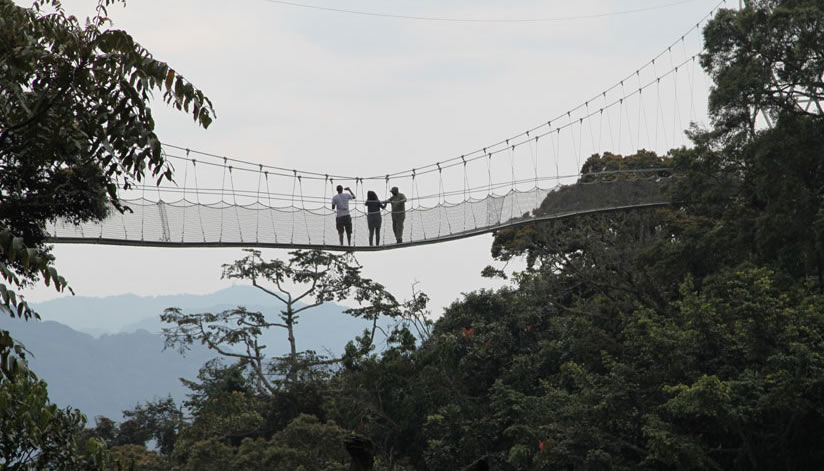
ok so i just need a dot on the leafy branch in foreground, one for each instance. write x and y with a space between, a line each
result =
305 281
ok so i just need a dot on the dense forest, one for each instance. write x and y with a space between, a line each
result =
686 337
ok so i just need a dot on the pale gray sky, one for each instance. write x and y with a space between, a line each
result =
354 94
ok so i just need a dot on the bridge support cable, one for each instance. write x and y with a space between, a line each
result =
465 192
691 81
358 180
513 190
222 189
142 216
185 182
303 210
325 187
642 113
258 204
234 204
385 197
609 122
292 208
442 207
591 132
270 209
197 196
534 154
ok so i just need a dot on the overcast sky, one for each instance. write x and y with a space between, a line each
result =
339 92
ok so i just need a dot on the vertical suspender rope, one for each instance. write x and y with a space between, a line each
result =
164 218
575 152
640 107
222 186
621 120
659 111
325 185
442 207
691 80
438 206
489 171
122 220
303 210
197 197
676 109
579 149
270 208
535 171
554 147
632 147
383 225
513 191
469 193
257 205
615 148
489 188
292 209
332 184
142 215
465 202
511 166
185 202
357 179
234 203
411 208
591 132
420 212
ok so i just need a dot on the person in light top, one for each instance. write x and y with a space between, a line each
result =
343 220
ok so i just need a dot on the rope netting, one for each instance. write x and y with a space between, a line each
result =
159 223
238 202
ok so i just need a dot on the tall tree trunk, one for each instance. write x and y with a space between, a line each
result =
293 351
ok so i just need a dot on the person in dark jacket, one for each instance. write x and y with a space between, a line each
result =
373 216
398 202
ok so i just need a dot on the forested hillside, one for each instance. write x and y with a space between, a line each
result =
689 337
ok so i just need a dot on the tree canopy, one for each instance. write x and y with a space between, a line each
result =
75 125
76 128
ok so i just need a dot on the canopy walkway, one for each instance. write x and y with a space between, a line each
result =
222 201
187 224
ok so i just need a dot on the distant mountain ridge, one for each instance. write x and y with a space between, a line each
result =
104 355
119 314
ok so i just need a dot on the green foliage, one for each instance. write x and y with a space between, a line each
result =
765 59
684 338
35 434
138 458
158 420
75 127
305 444
75 121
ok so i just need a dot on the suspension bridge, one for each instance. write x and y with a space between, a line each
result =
535 175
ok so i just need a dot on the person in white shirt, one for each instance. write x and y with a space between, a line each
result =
343 220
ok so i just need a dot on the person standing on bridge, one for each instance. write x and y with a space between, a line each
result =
373 216
398 201
343 220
